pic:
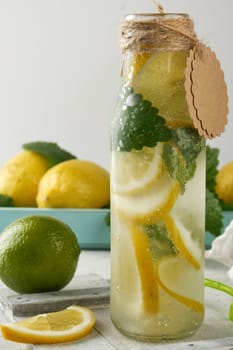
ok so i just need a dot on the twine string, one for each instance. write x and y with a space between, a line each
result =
158 33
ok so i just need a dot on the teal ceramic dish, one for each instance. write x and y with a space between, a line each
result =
89 225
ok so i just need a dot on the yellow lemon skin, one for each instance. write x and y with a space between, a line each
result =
20 176
74 184
67 325
224 183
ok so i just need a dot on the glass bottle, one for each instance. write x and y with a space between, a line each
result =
157 186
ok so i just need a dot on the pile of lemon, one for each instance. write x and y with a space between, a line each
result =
30 181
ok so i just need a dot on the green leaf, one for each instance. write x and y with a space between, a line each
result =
54 153
6 201
214 216
189 142
211 167
226 206
180 154
107 219
159 241
175 164
137 123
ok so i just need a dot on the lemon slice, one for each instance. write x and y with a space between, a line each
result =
182 281
144 262
161 81
56 327
134 171
152 204
183 240
132 269
133 63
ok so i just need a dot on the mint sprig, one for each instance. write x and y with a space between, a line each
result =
54 153
214 216
180 154
160 242
137 123
6 201
211 167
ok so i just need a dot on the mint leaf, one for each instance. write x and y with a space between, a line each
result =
6 201
189 142
180 154
175 164
159 241
214 206
50 150
226 206
107 219
137 123
214 217
211 167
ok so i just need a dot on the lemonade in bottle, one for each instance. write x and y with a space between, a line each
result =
157 186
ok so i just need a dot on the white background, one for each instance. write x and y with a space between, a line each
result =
60 63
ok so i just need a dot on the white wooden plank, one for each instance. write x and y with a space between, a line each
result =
7 345
94 341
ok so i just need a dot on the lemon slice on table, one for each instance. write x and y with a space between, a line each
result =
136 170
152 204
67 325
173 274
161 81
183 240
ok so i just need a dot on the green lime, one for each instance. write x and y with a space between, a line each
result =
38 254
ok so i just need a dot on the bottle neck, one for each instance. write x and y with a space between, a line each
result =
157 32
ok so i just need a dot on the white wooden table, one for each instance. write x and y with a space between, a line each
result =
216 333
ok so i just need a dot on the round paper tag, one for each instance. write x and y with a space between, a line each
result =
206 91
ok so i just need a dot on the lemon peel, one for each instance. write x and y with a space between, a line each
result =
67 325
20 177
183 241
136 170
173 274
145 267
152 204
161 81
74 183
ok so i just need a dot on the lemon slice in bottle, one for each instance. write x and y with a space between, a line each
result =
145 267
183 240
132 268
173 274
136 170
153 203
133 63
161 81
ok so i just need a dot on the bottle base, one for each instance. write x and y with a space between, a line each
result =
158 337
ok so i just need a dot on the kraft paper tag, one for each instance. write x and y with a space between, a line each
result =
206 91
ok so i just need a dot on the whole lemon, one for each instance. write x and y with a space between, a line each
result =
20 176
224 183
74 184
38 254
